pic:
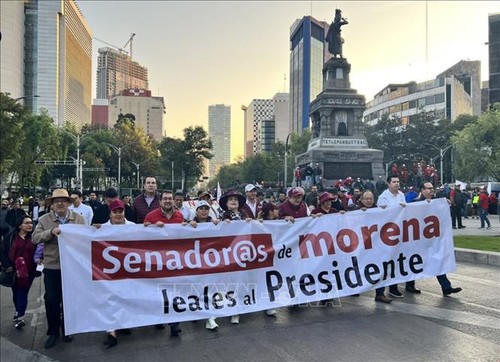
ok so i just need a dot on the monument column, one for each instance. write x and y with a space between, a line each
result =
338 142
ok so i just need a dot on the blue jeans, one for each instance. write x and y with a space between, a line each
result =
483 216
20 299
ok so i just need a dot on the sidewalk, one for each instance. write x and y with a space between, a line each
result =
472 227
477 256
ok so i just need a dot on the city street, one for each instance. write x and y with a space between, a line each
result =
464 327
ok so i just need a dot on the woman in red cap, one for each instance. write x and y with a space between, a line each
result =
325 205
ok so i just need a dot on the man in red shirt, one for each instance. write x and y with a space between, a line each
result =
166 214
483 208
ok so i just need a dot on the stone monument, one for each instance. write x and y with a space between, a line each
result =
338 143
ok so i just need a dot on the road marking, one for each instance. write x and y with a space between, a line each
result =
437 313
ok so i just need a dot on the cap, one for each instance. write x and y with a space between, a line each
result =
202 203
268 207
250 187
325 196
203 194
116 204
296 191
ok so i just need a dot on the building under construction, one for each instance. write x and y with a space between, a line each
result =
117 71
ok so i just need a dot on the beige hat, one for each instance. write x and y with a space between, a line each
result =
59 194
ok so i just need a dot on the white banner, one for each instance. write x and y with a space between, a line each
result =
130 275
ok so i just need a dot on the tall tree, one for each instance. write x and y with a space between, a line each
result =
11 130
188 154
478 148
40 142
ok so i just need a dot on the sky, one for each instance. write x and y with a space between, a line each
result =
225 52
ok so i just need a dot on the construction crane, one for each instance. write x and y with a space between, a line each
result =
130 41
122 49
111 45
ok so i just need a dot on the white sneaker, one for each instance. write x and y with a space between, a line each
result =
235 319
271 312
211 324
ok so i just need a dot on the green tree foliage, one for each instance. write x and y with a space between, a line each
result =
40 141
125 118
11 130
188 154
266 167
478 148
422 139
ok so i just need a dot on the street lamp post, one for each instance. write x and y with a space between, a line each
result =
79 163
137 165
172 175
442 152
285 174
119 152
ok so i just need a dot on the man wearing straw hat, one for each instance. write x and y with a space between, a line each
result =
46 232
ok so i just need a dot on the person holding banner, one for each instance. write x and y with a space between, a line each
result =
367 201
294 207
215 212
270 211
427 194
232 203
325 205
202 216
166 214
46 232
394 197
116 217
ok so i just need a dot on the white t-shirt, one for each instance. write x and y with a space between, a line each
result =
84 210
387 198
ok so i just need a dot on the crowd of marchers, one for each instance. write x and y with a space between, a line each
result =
29 246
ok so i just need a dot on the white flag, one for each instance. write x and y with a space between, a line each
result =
219 192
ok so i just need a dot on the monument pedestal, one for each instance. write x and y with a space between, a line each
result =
338 144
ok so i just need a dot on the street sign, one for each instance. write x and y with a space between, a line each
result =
54 163
95 169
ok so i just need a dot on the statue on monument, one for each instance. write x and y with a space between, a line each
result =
333 37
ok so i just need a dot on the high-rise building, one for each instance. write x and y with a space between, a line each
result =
266 122
257 111
12 48
308 53
281 110
148 110
117 71
494 55
58 61
219 131
455 91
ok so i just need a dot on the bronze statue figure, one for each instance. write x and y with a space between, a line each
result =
333 37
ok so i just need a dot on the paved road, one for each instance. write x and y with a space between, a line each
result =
465 327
